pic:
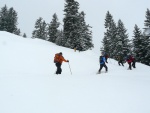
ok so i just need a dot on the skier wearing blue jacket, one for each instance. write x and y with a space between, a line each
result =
102 61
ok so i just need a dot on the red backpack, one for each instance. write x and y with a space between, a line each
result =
56 58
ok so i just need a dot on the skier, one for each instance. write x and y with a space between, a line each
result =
102 61
133 62
129 60
58 59
120 60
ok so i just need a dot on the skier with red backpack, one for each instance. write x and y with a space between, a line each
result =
58 59
129 59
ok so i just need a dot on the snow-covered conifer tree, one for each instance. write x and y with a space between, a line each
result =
4 18
8 19
137 43
110 35
53 29
17 32
85 34
40 29
59 38
12 22
122 41
147 38
24 35
71 23
147 21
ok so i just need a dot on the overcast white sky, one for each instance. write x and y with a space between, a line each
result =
131 12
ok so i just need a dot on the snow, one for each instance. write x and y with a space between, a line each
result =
28 83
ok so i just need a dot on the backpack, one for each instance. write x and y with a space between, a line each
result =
129 58
56 58
106 55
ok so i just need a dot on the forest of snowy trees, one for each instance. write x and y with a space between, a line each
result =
8 21
76 32
116 41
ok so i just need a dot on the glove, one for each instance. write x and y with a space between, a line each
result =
67 60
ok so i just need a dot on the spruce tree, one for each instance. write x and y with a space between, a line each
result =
144 50
137 43
112 33
71 23
40 29
85 34
59 38
108 20
109 35
147 39
53 29
17 32
12 23
8 20
105 43
4 18
106 39
122 41
147 21
147 56
24 35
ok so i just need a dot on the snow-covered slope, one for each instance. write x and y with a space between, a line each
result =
28 83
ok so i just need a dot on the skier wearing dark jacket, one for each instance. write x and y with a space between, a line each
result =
120 60
102 61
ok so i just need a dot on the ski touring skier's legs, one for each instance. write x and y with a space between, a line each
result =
130 67
101 66
106 68
59 70
121 63
133 64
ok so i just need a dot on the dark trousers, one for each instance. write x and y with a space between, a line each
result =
120 62
130 65
133 64
59 70
103 65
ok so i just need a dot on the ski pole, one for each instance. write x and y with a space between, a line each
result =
69 68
